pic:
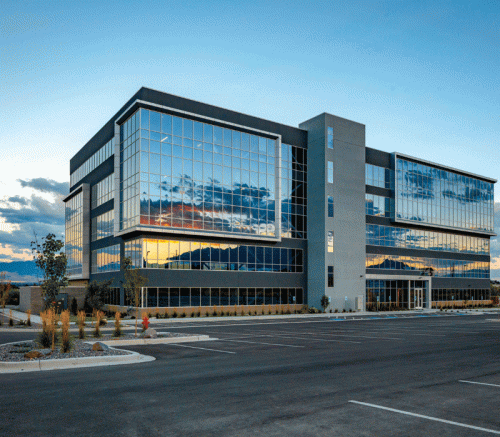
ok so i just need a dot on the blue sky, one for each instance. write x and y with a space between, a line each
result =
422 76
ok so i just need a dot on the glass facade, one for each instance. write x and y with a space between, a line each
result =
191 255
443 268
293 192
453 294
431 195
379 176
199 176
103 225
129 171
379 206
154 297
106 259
92 163
74 235
388 236
382 293
103 191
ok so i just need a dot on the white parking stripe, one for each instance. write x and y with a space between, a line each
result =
422 416
202 348
312 339
340 335
480 383
256 342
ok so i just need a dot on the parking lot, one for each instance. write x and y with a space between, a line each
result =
414 376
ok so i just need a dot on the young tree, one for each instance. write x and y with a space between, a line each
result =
133 284
96 294
49 258
5 287
325 301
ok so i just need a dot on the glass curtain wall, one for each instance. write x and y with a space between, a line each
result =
201 176
389 236
444 268
431 195
74 234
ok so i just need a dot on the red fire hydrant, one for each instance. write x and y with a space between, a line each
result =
145 323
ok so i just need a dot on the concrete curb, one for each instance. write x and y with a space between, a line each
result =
167 340
73 363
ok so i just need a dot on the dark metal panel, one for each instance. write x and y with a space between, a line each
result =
460 283
377 157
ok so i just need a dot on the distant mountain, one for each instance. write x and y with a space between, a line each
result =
21 271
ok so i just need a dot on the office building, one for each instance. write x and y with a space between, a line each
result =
221 208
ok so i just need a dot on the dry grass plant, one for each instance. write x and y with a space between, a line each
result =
28 322
65 338
118 328
81 324
97 328
11 320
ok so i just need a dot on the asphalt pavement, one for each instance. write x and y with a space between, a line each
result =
424 375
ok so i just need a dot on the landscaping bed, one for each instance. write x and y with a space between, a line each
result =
15 352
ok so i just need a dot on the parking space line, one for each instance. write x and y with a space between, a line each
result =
313 339
202 348
479 383
422 416
256 342
345 335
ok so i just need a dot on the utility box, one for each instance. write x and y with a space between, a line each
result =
359 303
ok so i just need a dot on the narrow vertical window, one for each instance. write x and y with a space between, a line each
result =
330 276
330 172
330 138
330 241
330 206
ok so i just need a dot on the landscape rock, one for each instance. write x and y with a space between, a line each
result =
33 354
99 347
150 333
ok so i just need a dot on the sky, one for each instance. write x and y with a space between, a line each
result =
422 76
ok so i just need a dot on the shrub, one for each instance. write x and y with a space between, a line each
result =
174 315
495 300
11 320
74 307
183 314
28 313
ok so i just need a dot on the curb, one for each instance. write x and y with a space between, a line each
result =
142 341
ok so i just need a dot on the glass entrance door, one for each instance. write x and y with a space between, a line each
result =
415 298
419 299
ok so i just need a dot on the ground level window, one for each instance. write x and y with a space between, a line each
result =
185 297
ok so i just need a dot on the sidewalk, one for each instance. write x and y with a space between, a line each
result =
18 315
